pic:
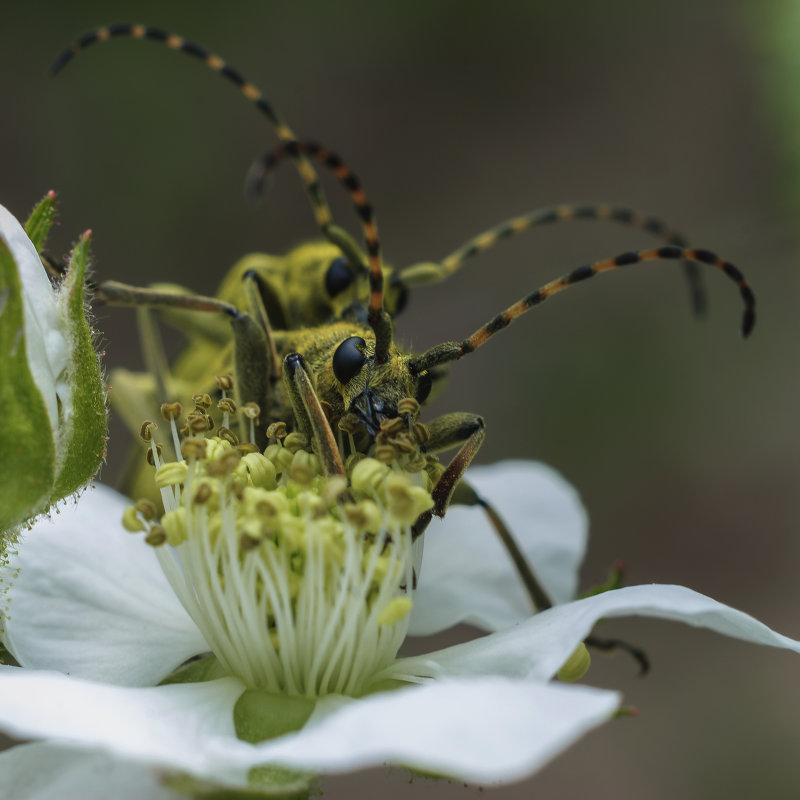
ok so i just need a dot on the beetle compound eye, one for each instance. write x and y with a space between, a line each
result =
348 359
338 277
424 387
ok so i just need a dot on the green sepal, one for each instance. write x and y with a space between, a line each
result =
206 668
260 715
85 448
27 465
285 785
615 580
576 666
41 220
6 659
257 715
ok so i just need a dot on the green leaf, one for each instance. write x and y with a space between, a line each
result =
41 220
86 445
27 465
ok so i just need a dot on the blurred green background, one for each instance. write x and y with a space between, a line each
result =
682 438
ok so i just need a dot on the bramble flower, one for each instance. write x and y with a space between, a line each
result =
252 562
54 416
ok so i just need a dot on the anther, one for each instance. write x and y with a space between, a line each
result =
421 433
317 507
202 402
280 457
302 470
149 455
237 487
403 444
198 422
156 536
248 542
350 423
365 516
224 382
224 465
227 405
385 453
173 473
261 470
270 505
171 411
435 470
228 435
146 431
352 460
368 474
194 448
173 524
333 489
416 463
203 493
408 405
251 411
406 501
277 430
397 609
131 520
295 441
389 426
146 509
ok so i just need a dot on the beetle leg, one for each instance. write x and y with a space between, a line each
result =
446 432
310 417
251 338
610 645
255 301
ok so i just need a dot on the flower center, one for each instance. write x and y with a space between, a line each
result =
299 583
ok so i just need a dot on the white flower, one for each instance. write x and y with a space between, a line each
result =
53 434
95 624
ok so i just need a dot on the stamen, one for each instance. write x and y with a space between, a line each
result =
171 412
299 583
252 412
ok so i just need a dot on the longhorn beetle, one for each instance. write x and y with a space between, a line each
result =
326 367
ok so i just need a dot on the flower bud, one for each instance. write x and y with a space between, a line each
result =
53 399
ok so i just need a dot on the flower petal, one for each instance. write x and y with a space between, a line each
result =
479 730
91 600
539 647
488 729
49 772
172 725
467 575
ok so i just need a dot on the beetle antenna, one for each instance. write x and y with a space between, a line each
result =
452 351
378 319
308 176
566 212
